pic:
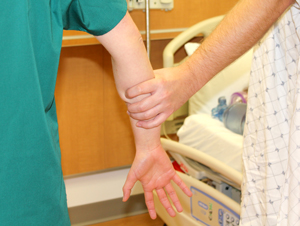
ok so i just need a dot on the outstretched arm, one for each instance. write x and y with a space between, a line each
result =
241 29
151 164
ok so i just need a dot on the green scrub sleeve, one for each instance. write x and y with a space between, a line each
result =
96 17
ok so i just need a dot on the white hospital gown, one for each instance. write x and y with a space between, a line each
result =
271 184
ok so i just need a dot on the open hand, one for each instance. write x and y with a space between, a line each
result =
155 172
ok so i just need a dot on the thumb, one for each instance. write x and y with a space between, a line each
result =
129 183
141 88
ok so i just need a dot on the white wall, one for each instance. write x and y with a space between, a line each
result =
97 187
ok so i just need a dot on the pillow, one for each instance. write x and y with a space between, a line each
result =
191 47
234 78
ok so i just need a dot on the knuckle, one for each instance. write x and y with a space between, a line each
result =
177 202
139 89
140 108
163 95
147 115
168 113
146 126
180 183
138 117
156 123
165 201
149 204
172 193
130 107
161 82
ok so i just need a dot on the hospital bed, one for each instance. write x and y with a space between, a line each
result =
208 153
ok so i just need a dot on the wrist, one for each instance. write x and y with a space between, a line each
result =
148 145
145 139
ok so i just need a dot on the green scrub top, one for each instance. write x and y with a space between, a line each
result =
32 190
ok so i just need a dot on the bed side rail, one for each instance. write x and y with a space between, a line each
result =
205 27
204 159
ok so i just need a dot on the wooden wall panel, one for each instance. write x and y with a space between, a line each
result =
92 118
184 14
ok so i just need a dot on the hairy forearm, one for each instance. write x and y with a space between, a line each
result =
240 30
131 67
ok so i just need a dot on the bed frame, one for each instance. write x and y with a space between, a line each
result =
207 206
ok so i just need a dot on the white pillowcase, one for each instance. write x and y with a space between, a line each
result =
191 47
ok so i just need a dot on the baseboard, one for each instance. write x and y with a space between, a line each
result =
107 210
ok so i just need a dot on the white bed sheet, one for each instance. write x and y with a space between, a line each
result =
210 136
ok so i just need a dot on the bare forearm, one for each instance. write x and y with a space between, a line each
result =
240 30
131 66
129 57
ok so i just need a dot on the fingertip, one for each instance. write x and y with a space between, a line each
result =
134 91
179 210
125 197
127 93
126 193
171 212
152 214
178 207
182 185
189 193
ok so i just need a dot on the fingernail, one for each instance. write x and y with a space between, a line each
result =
128 113
172 212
